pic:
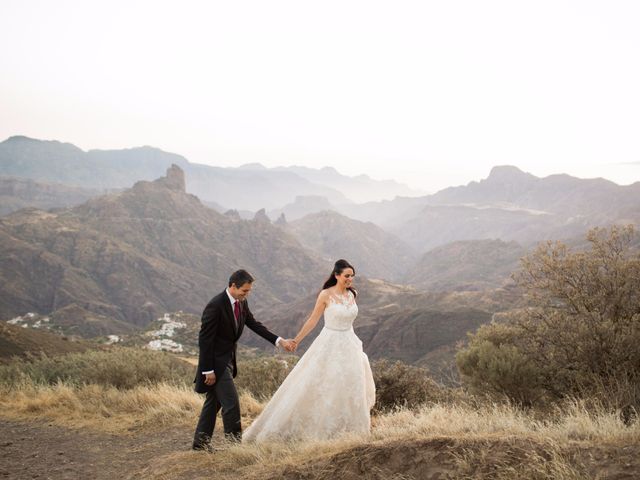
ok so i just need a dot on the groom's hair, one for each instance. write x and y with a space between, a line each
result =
240 277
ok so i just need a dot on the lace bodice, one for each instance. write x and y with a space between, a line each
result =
341 312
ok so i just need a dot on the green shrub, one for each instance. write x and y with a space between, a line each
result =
402 385
262 376
580 334
494 363
122 368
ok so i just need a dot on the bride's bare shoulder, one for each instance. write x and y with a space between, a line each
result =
326 293
323 299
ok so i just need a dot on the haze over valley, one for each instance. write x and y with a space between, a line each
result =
105 243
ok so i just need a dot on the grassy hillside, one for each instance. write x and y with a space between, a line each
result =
21 342
458 436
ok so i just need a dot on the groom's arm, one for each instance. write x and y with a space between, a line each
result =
259 328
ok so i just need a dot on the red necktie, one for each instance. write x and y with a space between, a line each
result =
236 312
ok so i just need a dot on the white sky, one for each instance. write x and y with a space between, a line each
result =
431 93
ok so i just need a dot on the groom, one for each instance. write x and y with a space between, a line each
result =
223 320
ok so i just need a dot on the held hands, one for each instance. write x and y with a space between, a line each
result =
289 345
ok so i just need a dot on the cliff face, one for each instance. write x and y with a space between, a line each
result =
174 180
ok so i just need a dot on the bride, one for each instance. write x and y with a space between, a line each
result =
330 390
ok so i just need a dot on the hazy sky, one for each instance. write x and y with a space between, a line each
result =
431 93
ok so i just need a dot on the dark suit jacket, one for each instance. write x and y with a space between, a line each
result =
219 336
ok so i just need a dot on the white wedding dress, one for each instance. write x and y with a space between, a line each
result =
330 390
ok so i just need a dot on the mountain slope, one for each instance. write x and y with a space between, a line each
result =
140 253
373 252
250 187
302 206
438 225
466 265
53 161
399 322
560 194
359 189
508 205
24 342
17 193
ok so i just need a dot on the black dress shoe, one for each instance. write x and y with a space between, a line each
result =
202 447
233 437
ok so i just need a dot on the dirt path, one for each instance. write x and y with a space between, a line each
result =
41 450
45 451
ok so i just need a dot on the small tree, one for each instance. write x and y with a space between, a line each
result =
581 333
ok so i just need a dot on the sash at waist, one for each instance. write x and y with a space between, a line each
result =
339 329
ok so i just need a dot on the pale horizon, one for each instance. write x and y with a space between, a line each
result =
430 95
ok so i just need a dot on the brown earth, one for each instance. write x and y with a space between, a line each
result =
43 450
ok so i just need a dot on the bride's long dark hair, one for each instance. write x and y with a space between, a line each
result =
338 268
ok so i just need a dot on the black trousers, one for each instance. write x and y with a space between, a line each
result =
224 395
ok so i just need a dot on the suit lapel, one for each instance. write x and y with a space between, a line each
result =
229 311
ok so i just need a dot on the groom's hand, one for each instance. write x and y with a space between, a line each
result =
287 345
209 378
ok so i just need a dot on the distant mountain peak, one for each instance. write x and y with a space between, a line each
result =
23 139
174 180
252 166
20 138
508 173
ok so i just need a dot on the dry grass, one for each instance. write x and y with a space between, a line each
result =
534 462
571 422
100 407
496 441
108 409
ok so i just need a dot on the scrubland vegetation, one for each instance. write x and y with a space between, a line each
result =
449 429
578 338
548 391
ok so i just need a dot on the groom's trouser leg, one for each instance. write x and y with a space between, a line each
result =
207 421
224 396
228 398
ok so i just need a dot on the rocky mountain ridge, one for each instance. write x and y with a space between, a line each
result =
509 205
134 255
53 161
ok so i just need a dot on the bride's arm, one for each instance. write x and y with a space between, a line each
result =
312 321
